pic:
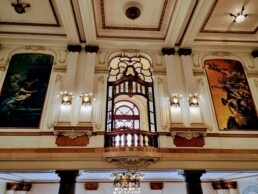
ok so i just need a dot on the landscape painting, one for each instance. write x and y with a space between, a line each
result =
231 95
24 89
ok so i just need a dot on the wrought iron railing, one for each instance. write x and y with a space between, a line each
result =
131 138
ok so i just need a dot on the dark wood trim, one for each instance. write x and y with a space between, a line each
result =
51 133
254 152
43 133
232 135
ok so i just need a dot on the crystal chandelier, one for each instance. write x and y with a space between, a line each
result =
126 182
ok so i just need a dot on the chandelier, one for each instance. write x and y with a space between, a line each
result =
126 182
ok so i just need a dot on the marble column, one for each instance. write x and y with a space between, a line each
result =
67 181
193 181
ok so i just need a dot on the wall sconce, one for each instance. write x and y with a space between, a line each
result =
66 97
20 7
240 17
193 100
86 99
175 100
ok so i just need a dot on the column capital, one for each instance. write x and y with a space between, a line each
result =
192 175
67 176
168 51
74 48
254 53
184 51
91 49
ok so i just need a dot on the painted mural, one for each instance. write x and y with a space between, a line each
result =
231 95
24 89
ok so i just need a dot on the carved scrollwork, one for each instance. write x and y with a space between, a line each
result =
189 134
72 134
132 162
34 48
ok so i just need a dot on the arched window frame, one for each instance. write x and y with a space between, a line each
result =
131 75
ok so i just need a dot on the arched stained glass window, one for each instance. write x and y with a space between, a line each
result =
126 116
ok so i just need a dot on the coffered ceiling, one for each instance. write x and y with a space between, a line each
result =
184 23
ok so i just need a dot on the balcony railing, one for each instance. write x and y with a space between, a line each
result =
131 138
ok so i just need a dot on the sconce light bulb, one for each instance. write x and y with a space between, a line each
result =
175 100
65 98
86 99
195 100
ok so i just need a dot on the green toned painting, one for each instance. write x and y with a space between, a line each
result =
24 89
231 95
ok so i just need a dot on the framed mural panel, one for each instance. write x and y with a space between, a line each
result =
231 95
24 89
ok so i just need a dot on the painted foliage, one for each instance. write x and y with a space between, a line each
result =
231 95
24 89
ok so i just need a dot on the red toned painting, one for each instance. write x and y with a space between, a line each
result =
231 95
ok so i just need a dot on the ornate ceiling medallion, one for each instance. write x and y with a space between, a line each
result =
133 10
133 13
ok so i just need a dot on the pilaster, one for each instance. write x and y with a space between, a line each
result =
174 88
